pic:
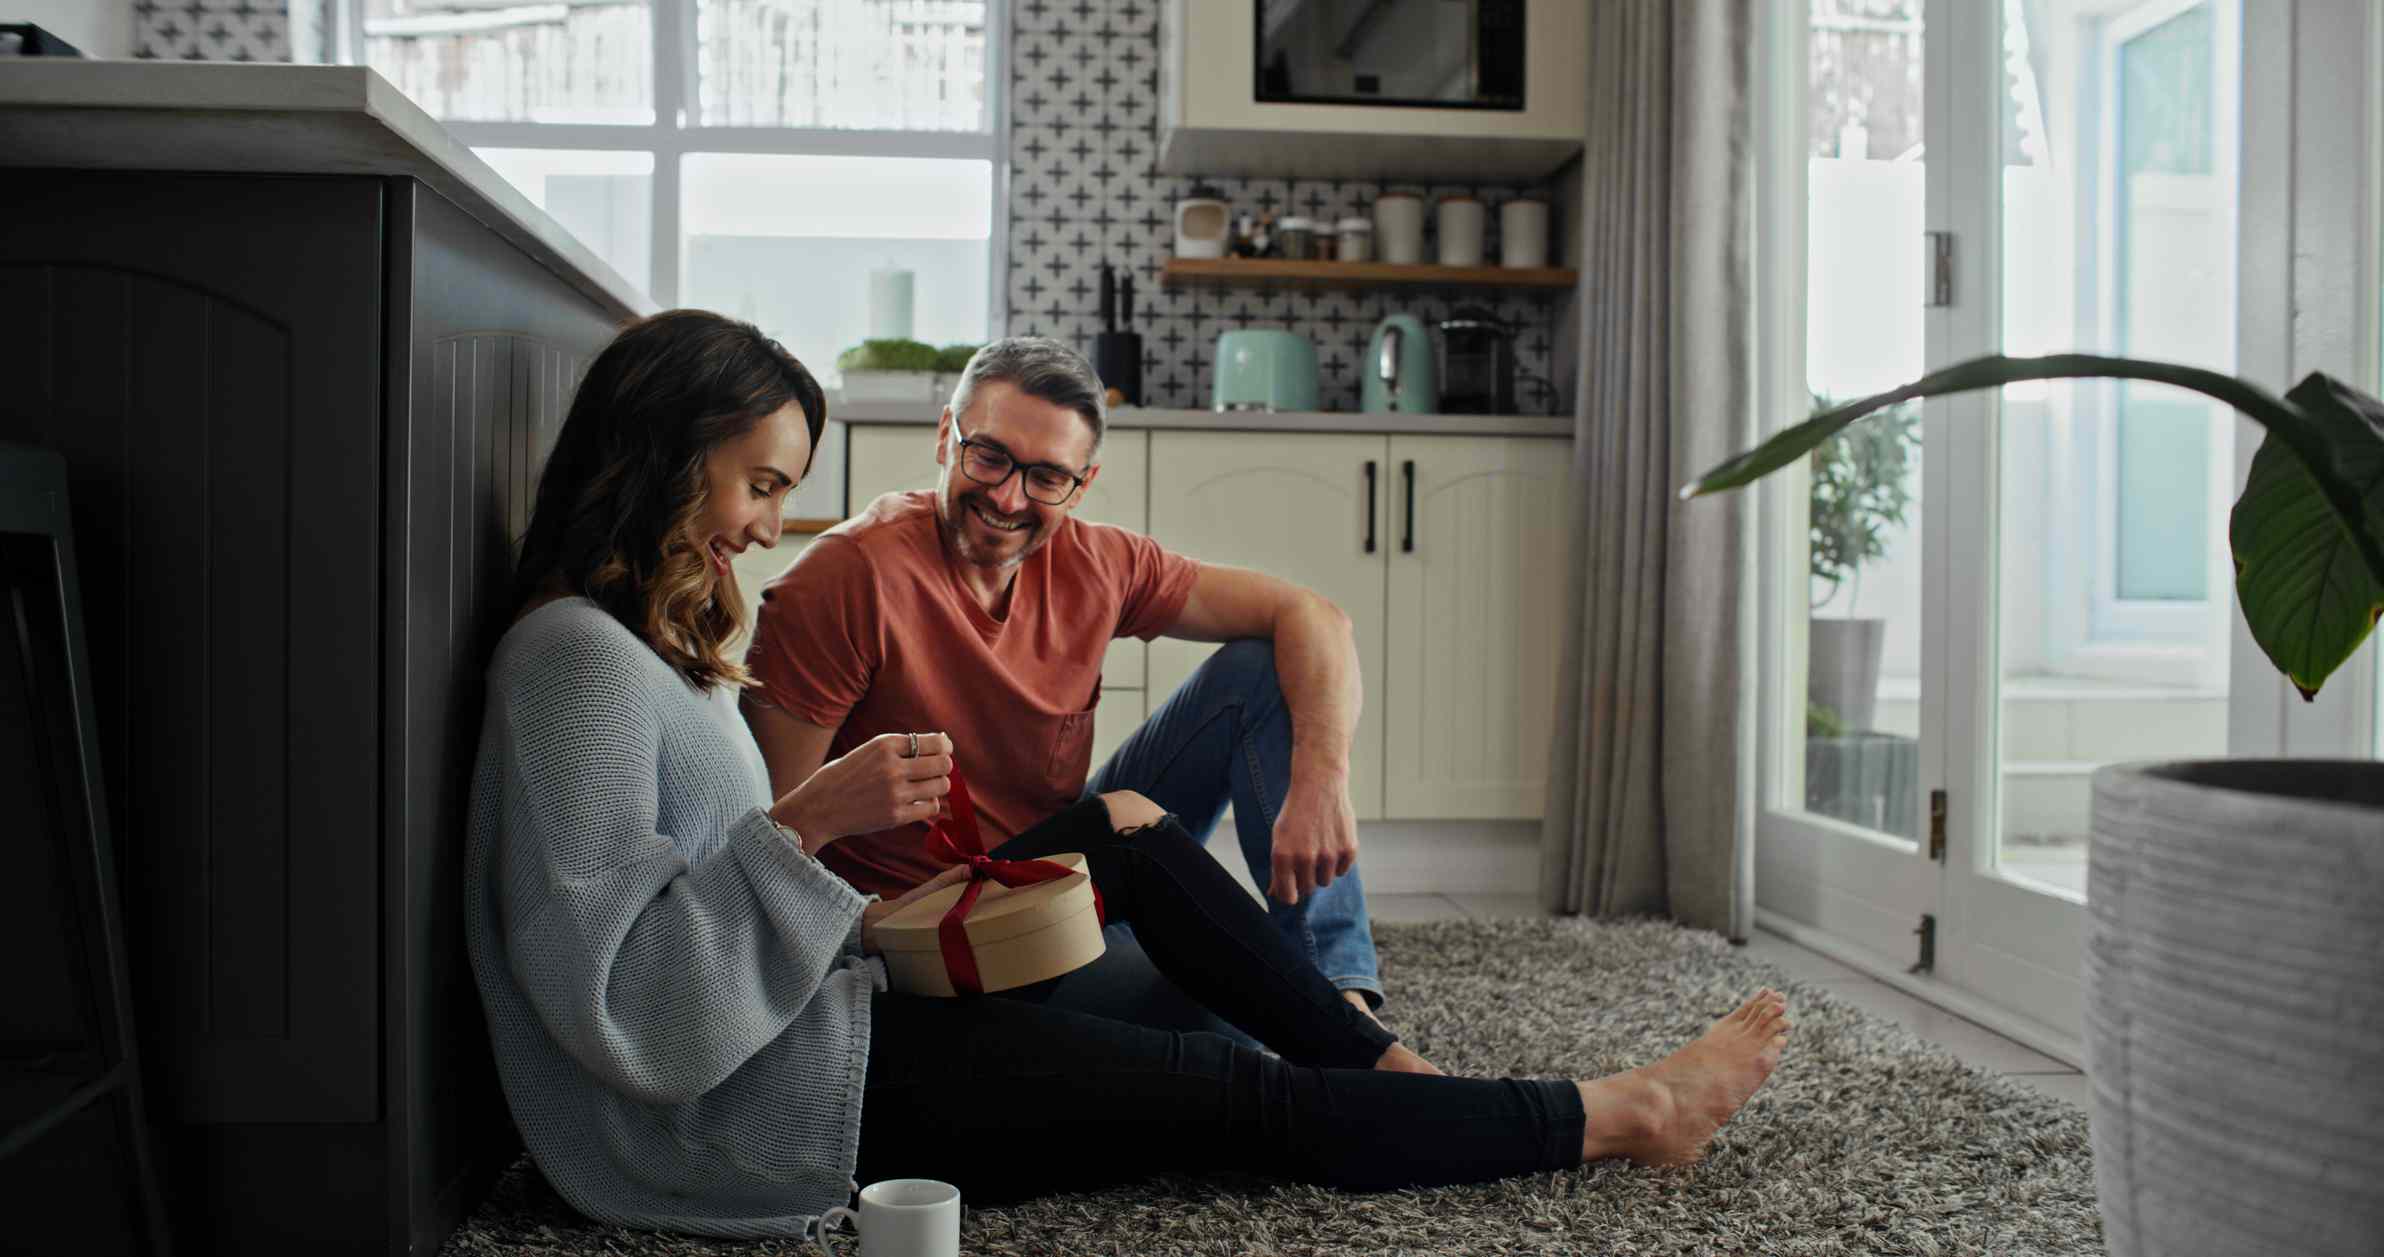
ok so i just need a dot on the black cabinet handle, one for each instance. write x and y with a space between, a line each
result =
1369 506
1407 542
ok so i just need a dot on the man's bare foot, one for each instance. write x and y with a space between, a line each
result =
1357 1000
1666 1113
1399 1060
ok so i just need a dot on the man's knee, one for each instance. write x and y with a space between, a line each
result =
1247 656
1129 811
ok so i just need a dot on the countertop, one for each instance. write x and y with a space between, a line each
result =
1129 418
274 119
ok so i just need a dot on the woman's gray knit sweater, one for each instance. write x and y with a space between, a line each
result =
675 992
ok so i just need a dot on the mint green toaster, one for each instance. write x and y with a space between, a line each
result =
1261 368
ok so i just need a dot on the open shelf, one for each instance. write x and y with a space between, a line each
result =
1282 273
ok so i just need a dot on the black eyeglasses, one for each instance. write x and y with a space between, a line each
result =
991 465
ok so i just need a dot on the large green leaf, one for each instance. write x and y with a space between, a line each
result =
2308 595
2308 535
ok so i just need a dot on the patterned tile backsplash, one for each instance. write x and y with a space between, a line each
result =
211 30
1084 119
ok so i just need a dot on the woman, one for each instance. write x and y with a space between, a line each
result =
691 1027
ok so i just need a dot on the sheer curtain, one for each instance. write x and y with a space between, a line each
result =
1644 799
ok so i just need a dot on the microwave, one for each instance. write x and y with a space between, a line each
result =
1429 54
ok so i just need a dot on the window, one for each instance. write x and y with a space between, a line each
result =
756 157
2119 205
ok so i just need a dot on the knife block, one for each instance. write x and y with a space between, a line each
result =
1117 359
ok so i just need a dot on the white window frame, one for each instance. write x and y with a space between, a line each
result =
678 131
2092 630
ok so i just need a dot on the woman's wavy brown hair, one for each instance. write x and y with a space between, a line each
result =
618 499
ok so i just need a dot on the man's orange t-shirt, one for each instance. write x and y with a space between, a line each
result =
869 631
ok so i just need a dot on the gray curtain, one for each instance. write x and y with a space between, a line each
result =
1644 796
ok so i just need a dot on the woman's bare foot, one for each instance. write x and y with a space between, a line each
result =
1399 1060
1666 1113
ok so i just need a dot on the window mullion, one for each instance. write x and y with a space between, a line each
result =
667 253
671 106
674 106
832 142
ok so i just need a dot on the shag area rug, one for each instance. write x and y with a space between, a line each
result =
1866 1140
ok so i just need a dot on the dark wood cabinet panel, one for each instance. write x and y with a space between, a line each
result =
218 419
492 347
303 418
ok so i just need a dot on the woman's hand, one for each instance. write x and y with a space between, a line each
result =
873 913
876 785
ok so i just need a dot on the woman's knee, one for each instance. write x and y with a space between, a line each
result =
1130 811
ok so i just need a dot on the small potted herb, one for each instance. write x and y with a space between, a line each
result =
1861 497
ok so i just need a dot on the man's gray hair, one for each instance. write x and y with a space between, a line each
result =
1039 367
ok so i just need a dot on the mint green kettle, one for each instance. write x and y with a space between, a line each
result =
1399 373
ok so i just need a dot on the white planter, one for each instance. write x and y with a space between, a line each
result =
889 386
2235 1007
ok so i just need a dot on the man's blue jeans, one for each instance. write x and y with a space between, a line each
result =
1223 737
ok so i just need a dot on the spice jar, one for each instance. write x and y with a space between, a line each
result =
1298 237
1357 239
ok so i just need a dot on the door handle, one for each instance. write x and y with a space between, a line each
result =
1369 506
1407 542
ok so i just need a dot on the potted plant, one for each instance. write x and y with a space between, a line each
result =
888 369
950 361
2235 937
1859 502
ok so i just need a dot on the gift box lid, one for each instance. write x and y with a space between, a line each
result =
1001 912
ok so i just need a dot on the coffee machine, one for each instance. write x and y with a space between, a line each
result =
1477 364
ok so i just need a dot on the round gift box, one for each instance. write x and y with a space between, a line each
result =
1018 936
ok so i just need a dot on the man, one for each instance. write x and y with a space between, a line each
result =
983 610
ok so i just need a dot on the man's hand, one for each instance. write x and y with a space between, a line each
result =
873 913
1316 840
872 787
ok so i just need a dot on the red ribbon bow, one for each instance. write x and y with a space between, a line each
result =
955 838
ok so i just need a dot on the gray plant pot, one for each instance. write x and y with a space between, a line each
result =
1842 669
2235 1007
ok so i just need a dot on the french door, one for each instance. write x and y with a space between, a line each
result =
1970 606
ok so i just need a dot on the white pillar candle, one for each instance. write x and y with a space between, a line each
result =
889 303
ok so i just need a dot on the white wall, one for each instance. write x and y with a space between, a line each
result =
101 28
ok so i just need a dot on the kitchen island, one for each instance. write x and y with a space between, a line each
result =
303 353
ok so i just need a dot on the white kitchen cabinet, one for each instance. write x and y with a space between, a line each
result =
889 458
886 459
1457 606
1293 505
1478 556
1212 123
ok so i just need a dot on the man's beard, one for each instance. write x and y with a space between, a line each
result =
957 528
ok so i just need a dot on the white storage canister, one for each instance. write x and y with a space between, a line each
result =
1399 227
1462 221
1523 232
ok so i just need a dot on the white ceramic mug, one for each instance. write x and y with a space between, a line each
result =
901 1217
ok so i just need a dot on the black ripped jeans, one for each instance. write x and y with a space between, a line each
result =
1006 1099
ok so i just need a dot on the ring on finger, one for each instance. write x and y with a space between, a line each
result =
912 753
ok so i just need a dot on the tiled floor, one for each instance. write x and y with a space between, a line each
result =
1967 1040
